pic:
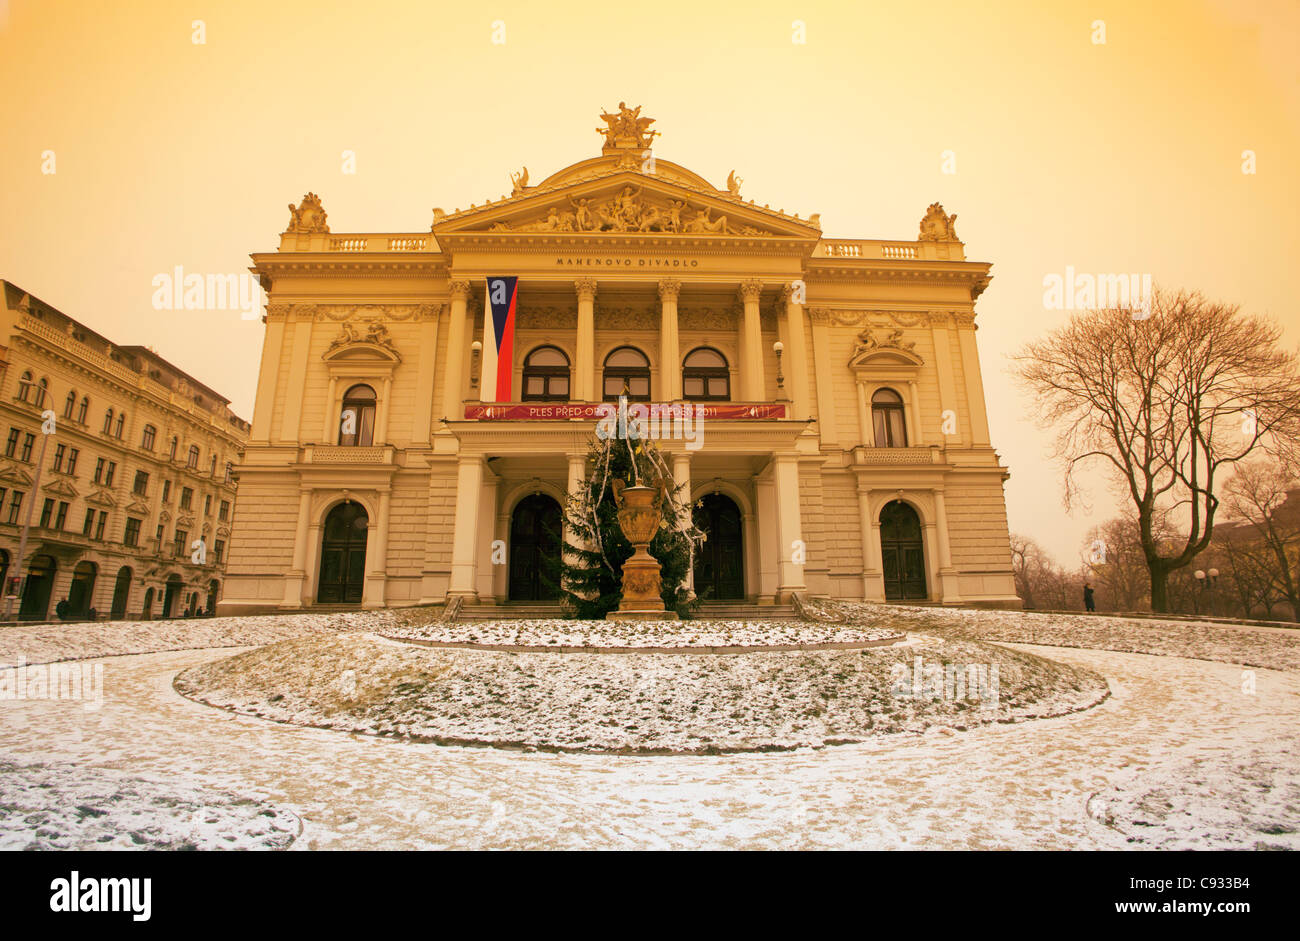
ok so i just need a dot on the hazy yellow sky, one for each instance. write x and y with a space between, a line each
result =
1122 157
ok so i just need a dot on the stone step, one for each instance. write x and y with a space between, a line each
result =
741 611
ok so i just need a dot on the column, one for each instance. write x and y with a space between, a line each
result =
873 583
751 356
487 526
943 363
950 590
822 364
796 354
789 529
453 386
682 484
930 548
268 376
377 555
577 474
864 417
585 368
384 410
970 366
290 423
422 414
464 555
769 536
670 359
916 430
293 581
329 433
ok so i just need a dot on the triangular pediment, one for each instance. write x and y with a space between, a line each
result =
626 202
14 475
102 497
138 508
60 487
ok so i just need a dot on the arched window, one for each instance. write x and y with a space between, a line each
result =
705 376
25 385
546 375
627 368
121 425
70 403
193 459
147 439
83 408
357 419
108 422
887 417
41 388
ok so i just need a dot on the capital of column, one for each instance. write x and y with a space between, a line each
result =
669 288
586 288
749 290
784 294
459 290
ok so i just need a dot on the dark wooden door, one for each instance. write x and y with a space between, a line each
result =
343 555
720 562
35 604
535 540
902 554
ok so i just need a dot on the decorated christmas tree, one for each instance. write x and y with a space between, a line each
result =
621 456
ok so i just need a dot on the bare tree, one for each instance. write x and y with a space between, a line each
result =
1040 581
1164 398
1265 495
1114 558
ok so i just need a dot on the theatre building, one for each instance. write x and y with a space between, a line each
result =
841 445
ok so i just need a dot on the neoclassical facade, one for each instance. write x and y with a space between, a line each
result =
138 464
840 445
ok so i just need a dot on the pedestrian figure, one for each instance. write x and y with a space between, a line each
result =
1087 597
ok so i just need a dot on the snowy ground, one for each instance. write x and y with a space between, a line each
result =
1274 648
657 702
62 806
663 635
1185 753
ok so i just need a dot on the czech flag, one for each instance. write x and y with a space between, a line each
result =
498 338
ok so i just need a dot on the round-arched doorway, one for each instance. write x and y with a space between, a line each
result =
343 555
81 592
37 587
720 561
535 539
121 593
902 554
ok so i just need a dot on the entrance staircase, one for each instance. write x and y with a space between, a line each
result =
530 610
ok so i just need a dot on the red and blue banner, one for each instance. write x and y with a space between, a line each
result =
498 338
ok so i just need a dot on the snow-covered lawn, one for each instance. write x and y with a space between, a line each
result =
64 806
637 702
1271 648
1233 800
709 634
44 643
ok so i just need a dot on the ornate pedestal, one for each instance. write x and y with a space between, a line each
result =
639 520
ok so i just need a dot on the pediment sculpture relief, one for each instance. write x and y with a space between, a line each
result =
371 331
871 341
629 211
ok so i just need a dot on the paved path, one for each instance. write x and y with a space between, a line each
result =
1010 786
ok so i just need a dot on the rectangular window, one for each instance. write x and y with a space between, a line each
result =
29 439
89 524
222 514
230 471
99 527
178 546
59 451
218 548
141 485
187 498
207 505
159 536
167 491
72 461
99 471
108 474
61 517
11 446
47 511
3 491
15 504
132 535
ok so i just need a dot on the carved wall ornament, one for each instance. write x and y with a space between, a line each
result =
548 318
628 211
519 182
308 217
871 341
702 318
388 312
938 226
371 332
733 183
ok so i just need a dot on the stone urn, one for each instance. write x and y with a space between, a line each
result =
639 519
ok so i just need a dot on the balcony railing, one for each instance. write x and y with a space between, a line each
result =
875 249
896 456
